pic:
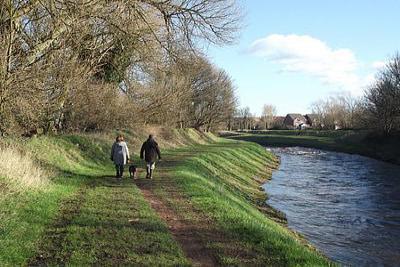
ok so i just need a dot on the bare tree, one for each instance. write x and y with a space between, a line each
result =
268 114
244 116
383 99
48 47
213 97
336 111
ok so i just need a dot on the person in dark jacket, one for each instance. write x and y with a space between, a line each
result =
149 152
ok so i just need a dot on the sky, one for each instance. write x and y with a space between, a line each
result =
291 53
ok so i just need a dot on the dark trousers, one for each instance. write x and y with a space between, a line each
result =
120 170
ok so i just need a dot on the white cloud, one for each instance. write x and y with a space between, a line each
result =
378 65
369 80
305 54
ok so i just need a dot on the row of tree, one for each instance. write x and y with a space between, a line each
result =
377 110
245 120
341 110
86 65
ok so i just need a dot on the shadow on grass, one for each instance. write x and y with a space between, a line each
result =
56 234
105 216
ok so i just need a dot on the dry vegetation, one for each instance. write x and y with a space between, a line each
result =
21 170
95 65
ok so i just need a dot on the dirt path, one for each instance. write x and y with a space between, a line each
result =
193 234
191 237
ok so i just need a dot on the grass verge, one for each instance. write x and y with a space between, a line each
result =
222 182
354 142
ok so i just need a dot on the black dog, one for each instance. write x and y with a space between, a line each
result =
132 171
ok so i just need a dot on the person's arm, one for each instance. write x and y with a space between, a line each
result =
158 151
127 152
112 152
142 151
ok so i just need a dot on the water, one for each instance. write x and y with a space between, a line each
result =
348 206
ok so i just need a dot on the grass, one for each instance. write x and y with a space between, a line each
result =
82 216
23 219
354 142
112 225
223 182
20 171
77 162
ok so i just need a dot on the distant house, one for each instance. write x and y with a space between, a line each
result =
278 122
338 126
313 120
294 120
256 123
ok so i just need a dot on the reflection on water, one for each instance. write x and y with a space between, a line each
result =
348 206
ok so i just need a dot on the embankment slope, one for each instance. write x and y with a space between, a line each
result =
78 214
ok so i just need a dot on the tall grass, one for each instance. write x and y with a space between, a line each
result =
21 171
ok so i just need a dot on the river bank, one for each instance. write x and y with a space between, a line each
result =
205 199
352 142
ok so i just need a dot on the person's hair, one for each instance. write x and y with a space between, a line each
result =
151 136
119 138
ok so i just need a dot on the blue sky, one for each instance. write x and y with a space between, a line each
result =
291 53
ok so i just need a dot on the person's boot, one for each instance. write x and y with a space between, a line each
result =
151 174
147 172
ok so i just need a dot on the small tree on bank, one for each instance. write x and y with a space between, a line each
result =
383 99
268 115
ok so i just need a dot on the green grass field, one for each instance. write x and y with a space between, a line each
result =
354 142
83 216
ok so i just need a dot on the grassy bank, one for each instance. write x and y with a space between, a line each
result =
79 215
74 166
354 142
223 182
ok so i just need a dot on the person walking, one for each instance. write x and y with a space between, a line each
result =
149 152
120 155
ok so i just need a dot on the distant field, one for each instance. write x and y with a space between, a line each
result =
354 142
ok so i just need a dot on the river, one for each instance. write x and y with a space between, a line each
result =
348 206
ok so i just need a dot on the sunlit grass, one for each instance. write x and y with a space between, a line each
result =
20 171
222 179
224 182
46 172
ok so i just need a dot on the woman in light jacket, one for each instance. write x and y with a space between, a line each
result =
120 155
